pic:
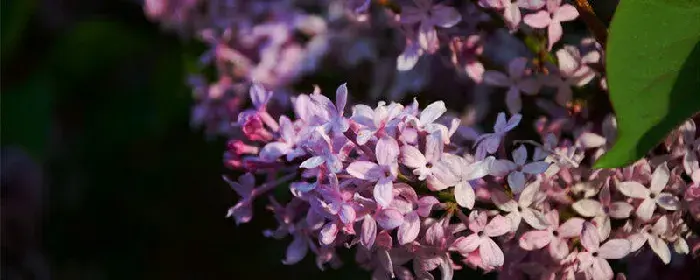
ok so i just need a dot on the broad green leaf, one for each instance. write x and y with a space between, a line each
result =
653 68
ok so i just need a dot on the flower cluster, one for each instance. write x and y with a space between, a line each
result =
276 42
416 192
398 183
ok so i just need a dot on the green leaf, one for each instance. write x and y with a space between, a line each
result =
653 67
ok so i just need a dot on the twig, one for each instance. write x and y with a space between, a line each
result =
592 21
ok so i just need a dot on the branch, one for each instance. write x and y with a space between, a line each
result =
594 24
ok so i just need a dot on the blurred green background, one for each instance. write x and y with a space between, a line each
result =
96 95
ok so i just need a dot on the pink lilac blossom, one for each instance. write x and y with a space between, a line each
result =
409 198
395 181
551 19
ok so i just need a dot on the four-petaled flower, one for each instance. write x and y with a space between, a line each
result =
551 19
429 15
516 81
383 172
488 143
481 238
653 195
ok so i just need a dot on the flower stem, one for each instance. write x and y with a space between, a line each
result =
592 21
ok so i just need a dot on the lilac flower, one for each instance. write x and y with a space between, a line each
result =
367 193
429 15
297 250
601 142
602 211
510 10
288 137
653 195
555 236
594 260
466 54
519 167
410 55
488 143
437 242
654 237
522 209
551 19
336 123
436 167
516 81
413 209
383 172
376 123
481 238
321 147
243 210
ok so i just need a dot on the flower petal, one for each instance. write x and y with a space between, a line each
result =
535 240
646 209
520 155
365 170
387 151
591 140
588 208
408 231
571 228
620 210
328 234
425 205
432 112
312 162
614 249
558 248
668 201
540 19
633 189
491 254
498 226
513 100
347 214
433 146
496 78
516 181
659 178
465 245
369 232
565 13
464 195
554 32
660 248
528 194
412 157
537 167
445 16
590 239
341 98
534 218
389 218
427 36
296 250
383 192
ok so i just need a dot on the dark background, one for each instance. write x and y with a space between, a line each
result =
94 103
